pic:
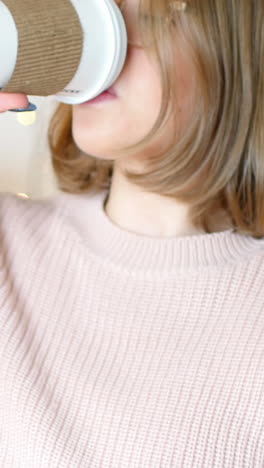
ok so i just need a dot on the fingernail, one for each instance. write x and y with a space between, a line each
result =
31 107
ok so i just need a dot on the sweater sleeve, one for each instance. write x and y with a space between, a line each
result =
27 236
24 224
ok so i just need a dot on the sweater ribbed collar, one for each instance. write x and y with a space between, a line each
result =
132 252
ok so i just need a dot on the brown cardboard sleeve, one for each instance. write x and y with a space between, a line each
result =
50 46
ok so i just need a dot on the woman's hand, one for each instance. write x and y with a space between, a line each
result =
10 101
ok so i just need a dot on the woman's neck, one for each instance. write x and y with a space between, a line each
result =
144 213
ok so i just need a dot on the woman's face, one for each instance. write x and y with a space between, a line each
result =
104 128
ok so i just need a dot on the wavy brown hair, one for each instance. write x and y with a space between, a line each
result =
219 161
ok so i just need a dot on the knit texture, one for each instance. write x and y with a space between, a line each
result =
126 351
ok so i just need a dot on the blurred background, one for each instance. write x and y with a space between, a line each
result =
25 165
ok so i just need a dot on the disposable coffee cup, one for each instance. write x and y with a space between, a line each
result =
70 49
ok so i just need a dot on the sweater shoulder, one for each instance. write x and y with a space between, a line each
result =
16 204
23 212
26 222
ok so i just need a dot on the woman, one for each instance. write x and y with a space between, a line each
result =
132 303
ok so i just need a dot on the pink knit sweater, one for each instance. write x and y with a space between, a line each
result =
127 351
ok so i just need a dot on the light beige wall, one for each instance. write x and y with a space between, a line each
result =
24 155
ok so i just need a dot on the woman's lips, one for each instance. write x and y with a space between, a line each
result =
107 95
112 91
